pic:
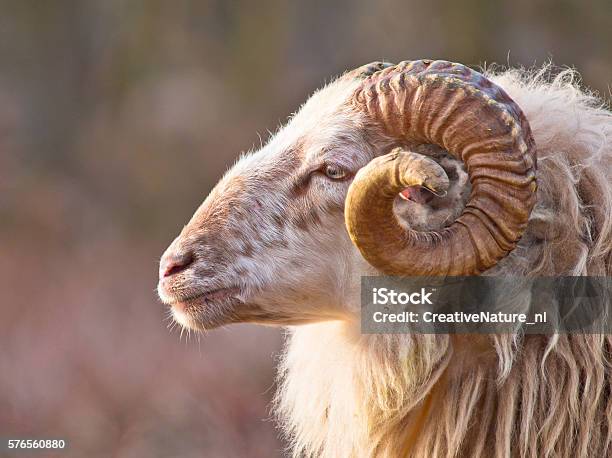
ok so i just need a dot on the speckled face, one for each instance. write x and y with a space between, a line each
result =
269 244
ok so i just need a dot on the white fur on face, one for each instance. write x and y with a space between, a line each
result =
273 228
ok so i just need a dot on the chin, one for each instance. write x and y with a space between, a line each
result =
202 317
184 318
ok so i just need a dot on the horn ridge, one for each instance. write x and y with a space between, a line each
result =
460 110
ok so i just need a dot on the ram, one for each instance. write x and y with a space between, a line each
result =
419 168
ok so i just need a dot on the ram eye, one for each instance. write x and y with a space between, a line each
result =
334 172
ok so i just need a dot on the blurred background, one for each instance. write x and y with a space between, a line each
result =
116 119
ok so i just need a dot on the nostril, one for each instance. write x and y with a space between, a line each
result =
175 264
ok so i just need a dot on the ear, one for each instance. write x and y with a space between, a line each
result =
417 194
421 209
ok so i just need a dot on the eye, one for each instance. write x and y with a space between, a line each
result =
334 172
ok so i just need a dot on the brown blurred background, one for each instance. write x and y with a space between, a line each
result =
116 119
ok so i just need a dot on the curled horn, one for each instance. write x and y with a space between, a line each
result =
457 108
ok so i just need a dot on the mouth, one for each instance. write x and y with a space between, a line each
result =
205 310
215 295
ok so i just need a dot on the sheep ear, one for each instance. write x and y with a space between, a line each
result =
366 70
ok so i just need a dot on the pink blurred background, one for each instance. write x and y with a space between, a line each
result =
116 119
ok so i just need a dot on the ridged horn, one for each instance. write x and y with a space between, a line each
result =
460 110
